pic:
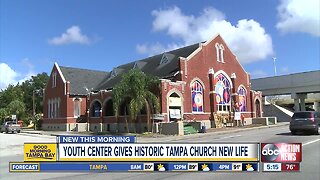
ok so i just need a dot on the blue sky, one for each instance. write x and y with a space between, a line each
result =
101 35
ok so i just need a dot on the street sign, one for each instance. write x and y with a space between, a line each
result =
14 117
158 116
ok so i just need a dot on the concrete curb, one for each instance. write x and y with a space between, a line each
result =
175 137
230 131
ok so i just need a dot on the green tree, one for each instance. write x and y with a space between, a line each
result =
34 85
3 114
17 107
11 93
137 88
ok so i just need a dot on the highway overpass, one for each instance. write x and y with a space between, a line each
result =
298 85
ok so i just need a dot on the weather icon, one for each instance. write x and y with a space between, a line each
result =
249 167
205 167
161 167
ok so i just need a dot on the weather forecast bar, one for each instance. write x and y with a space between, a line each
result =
132 167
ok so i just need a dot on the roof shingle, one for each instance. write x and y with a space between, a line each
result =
82 81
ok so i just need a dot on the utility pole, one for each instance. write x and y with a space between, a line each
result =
274 65
33 104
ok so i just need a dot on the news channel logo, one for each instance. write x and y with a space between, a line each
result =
281 152
40 152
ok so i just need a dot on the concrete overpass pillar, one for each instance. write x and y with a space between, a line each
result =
296 105
299 101
302 104
302 98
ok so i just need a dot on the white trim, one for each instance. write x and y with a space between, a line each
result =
221 47
225 74
175 90
213 38
217 51
80 99
235 57
60 72
76 103
241 85
197 79
195 52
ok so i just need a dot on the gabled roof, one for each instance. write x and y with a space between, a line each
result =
82 81
151 65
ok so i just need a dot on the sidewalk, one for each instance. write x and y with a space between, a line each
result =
159 137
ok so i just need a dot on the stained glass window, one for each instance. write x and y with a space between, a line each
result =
223 95
197 96
242 99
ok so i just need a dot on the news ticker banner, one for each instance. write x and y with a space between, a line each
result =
123 148
140 152
133 167
157 152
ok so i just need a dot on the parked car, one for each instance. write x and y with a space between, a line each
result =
10 126
305 121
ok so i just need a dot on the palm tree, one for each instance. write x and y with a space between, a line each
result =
136 87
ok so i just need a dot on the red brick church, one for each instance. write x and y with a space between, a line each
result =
197 83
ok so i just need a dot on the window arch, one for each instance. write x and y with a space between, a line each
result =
219 52
223 93
96 109
108 108
77 107
242 92
197 96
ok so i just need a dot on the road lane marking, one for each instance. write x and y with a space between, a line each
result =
310 142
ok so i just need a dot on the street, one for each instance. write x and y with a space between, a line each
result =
12 150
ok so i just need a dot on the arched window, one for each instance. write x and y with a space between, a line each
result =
124 107
197 96
108 108
54 79
223 95
242 99
76 107
96 109
219 52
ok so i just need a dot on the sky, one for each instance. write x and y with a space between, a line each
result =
101 35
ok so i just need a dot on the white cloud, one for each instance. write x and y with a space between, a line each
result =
247 39
27 77
7 75
72 35
299 16
10 76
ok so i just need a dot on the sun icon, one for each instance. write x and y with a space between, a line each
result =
160 166
249 167
204 166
